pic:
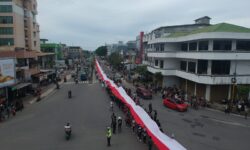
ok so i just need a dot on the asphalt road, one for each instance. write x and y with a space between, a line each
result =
203 129
41 125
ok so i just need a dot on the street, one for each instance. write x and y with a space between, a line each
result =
41 125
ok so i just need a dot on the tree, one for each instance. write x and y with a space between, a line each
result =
158 77
243 91
115 60
101 51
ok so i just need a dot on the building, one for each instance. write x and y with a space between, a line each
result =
203 59
117 47
75 53
20 40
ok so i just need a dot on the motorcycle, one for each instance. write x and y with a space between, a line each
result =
67 132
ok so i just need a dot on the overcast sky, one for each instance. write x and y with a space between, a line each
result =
91 23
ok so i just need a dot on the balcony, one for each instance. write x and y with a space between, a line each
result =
202 79
205 55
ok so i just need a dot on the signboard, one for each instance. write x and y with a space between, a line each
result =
7 72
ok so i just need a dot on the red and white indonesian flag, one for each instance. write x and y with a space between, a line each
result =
161 140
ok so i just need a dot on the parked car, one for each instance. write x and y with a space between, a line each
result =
83 76
178 105
144 93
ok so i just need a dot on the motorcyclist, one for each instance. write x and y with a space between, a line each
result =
69 94
67 129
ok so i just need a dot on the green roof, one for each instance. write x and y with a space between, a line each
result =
221 27
50 45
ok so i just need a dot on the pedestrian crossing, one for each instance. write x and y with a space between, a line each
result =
81 82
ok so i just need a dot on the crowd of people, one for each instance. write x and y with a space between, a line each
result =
8 110
117 122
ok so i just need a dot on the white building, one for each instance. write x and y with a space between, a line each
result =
200 58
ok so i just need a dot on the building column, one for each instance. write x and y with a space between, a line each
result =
196 66
234 45
210 45
195 88
208 91
186 95
43 62
229 91
209 67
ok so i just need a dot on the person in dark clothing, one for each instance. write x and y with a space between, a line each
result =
144 135
150 143
114 126
139 133
158 123
155 115
119 124
150 108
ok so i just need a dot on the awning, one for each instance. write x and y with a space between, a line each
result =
19 86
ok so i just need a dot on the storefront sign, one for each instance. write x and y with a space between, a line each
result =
7 72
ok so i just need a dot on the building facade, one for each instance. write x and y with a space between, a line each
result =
202 59
19 36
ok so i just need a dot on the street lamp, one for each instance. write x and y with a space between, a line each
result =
234 81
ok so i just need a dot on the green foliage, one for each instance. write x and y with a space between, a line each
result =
115 60
158 77
101 51
142 70
243 91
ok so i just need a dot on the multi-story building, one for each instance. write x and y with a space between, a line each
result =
19 35
75 53
203 59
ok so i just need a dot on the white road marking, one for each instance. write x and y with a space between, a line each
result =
229 123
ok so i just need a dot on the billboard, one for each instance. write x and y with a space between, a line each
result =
7 72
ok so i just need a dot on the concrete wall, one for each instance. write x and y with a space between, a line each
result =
170 81
242 67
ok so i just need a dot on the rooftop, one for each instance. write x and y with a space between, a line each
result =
221 27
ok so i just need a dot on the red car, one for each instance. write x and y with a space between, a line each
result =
143 93
174 104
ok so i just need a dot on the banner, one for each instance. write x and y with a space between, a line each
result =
161 140
7 72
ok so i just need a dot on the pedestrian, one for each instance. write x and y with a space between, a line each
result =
133 125
139 132
150 108
158 123
108 134
150 143
246 111
144 135
155 115
119 124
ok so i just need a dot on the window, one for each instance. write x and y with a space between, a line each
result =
184 47
6 30
161 47
161 64
202 66
203 45
220 67
156 62
222 45
6 41
193 46
243 45
183 65
5 8
35 43
6 20
34 34
191 67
